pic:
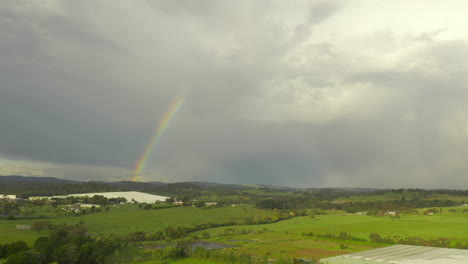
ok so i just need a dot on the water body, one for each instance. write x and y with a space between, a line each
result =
203 244
208 245
243 240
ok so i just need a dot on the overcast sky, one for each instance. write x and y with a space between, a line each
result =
346 93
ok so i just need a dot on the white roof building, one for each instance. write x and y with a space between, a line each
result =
403 254
8 196
139 197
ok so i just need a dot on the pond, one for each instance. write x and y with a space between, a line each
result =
208 245
194 244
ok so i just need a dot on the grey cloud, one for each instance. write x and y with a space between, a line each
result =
83 86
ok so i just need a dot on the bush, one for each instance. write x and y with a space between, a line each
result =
206 235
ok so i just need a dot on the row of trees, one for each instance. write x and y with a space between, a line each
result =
178 232
417 241
386 205
95 199
395 239
8 207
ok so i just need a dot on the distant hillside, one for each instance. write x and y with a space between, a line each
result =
209 185
38 186
137 186
26 180
48 186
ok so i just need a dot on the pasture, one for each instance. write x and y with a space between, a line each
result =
129 218
284 239
287 239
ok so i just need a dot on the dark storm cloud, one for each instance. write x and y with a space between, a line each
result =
274 93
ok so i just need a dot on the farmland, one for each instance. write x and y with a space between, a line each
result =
263 223
129 218
292 237
288 235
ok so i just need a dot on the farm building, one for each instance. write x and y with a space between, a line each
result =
403 254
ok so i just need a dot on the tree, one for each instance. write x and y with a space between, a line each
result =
41 225
66 254
15 247
206 235
26 257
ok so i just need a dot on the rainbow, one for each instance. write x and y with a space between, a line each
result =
162 126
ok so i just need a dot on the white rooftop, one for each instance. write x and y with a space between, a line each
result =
403 254
137 196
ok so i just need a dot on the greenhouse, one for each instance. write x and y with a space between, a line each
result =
403 254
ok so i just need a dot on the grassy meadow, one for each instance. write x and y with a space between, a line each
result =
300 237
287 239
129 218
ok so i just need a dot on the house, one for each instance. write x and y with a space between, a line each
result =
391 213
361 213
211 204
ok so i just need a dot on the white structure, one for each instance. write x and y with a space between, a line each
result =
23 227
89 205
8 196
138 197
33 198
403 254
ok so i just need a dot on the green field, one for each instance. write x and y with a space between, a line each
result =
127 219
286 239
283 239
